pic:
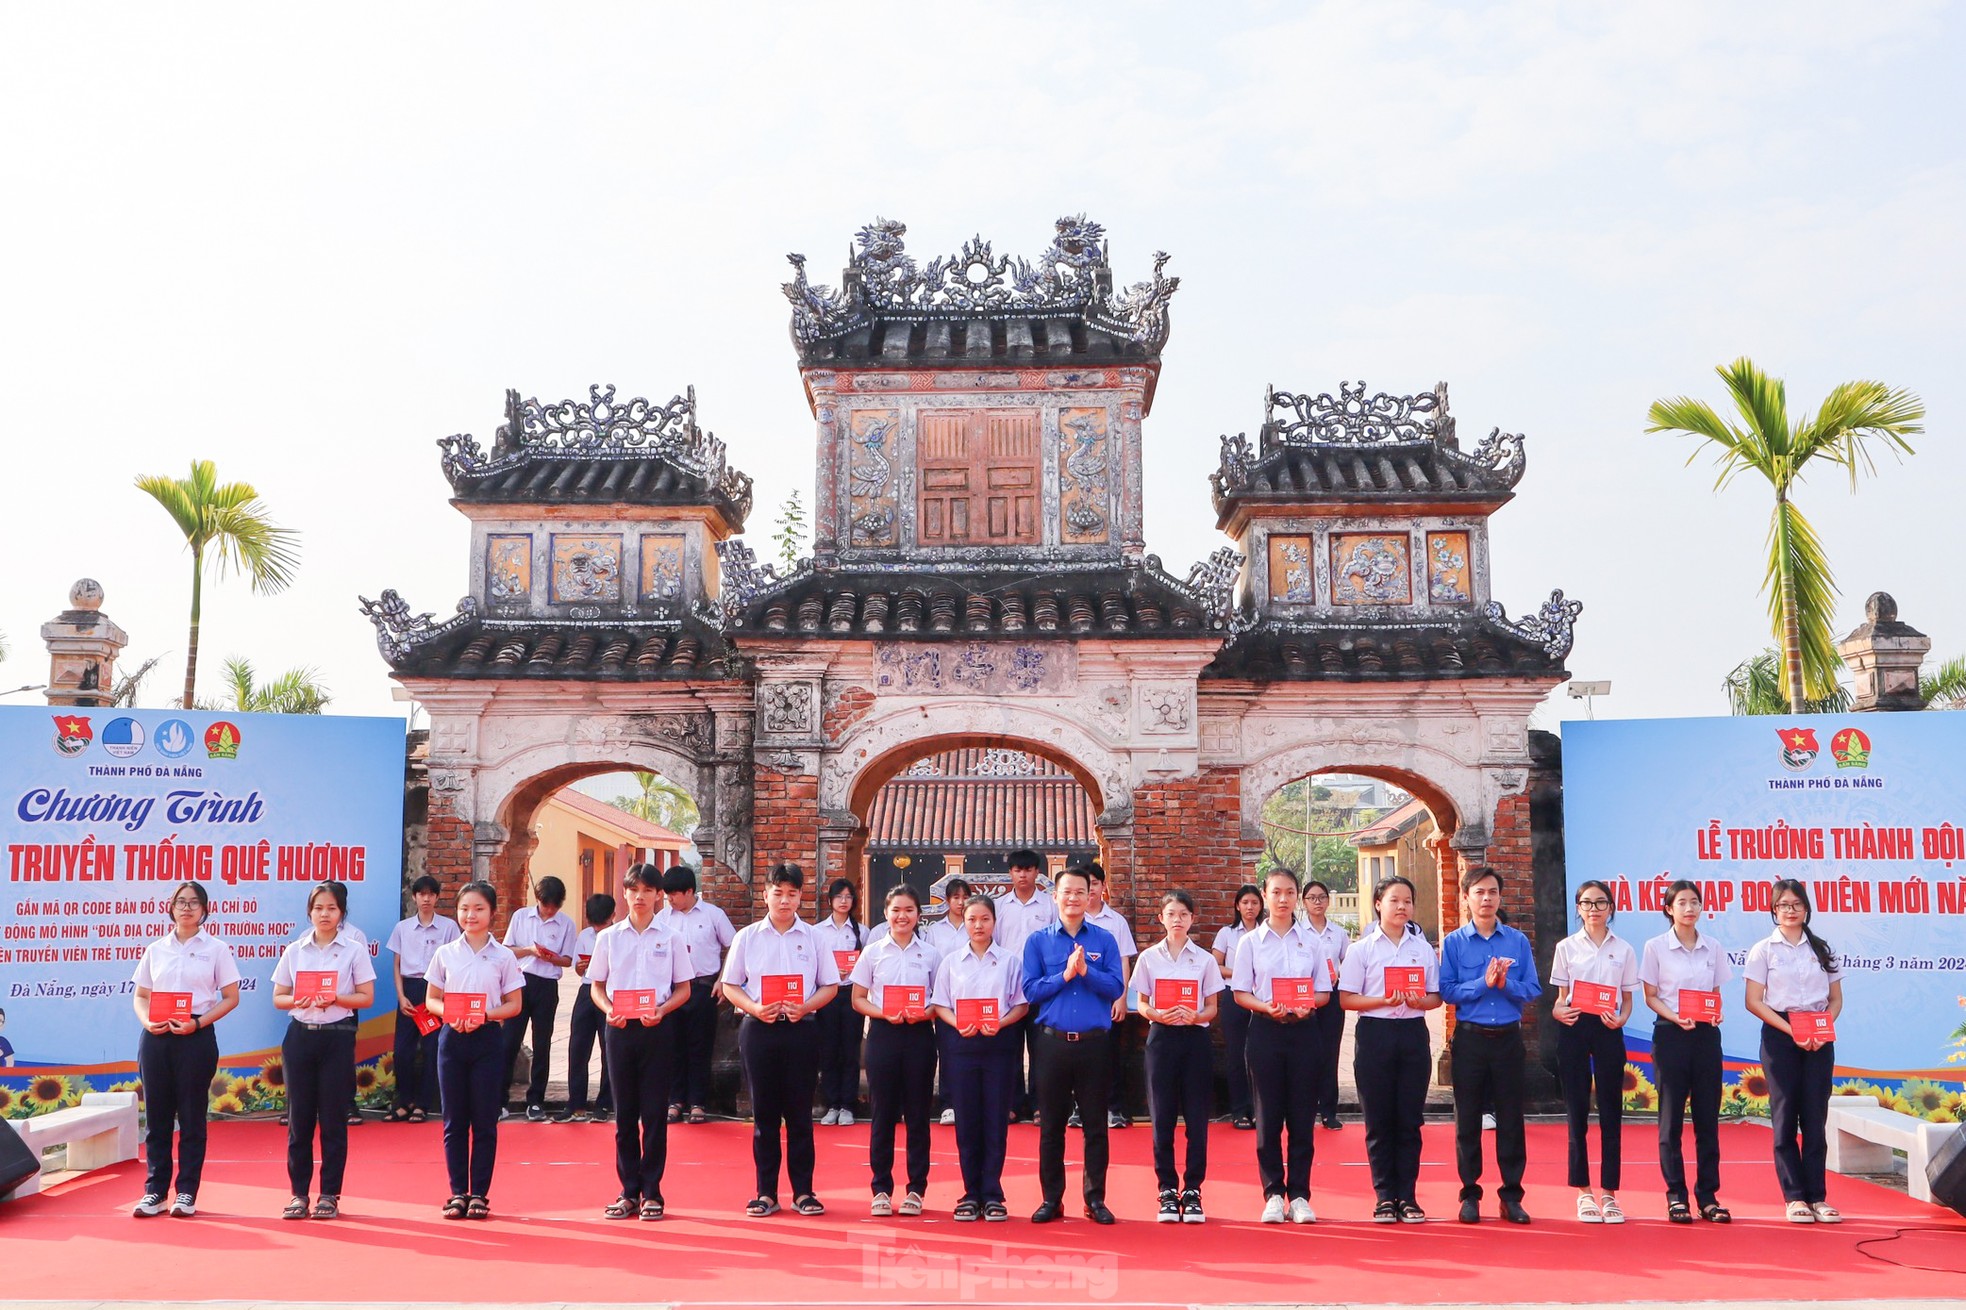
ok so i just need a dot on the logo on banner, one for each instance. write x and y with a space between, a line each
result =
1799 748
122 737
1850 748
222 741
72 734
173 740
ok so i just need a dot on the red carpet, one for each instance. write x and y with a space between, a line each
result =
548 1243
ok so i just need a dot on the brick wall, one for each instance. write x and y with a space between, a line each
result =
1186 836
785 826
447 851
848 707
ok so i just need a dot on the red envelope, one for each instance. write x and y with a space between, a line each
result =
1408 978
459 1004
1701 1007
426 1022
317 985
1294 993
1808 1025
1177 993
975 1010
896 998
844 961
166 1006
776 987
1600 999
634 1003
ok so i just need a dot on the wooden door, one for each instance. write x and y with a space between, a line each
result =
979 476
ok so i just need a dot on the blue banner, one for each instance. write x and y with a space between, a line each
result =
1867 810
103 812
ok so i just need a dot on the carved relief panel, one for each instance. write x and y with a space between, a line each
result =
874 436
508 572
1371 569
1085 484
586 569
1450 569
1293 569
661 594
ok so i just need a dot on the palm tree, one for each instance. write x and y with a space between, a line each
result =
297 691
1755 687
1800 588
661 802
232 524
1946 688
130 685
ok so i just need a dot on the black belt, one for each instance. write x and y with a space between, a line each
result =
1067 1035
1490 1029
346 1025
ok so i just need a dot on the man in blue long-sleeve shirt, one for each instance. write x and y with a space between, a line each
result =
1071 978
1487 974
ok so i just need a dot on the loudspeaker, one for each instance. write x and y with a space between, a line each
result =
17 1162
1946 1171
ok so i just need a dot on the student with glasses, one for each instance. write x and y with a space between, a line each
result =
1590 1047
1792 972
1330 1019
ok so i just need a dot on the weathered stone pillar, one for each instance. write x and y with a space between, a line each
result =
1884 655
82 648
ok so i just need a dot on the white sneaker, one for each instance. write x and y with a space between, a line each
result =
185 1206
1301 1212
149 1207
830 1117
845 1120
883 1205
949 1118
1273 1210
1488 1123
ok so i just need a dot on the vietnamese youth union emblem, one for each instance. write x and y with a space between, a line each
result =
72 734
1799 749
1850 748
222 741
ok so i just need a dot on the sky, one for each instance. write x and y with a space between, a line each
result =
306 243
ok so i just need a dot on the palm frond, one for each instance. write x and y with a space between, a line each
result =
1946 688
1790 534
1763 401
246 539
239 679
175 497
297 691
1737 449
130 685
1755 687
1858 416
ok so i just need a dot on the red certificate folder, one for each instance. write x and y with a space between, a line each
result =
844 961
1294 993
426 1022
896 998
1177 994
1808 1025
634 1003
315 985
975 1010
459 1004
1600 999
166 1006
1701 1007
1408 978
776 987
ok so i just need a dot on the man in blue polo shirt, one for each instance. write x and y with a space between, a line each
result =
1488 974
1071 978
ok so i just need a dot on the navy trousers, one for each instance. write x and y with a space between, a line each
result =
319 1065
583 1031
415 1054
539 1004
1286 1070
469 1066
1798 1108
177 1072
1591 1054
1688 1067
1180 1081
981 1078
641 1062
1391 1066
900 1086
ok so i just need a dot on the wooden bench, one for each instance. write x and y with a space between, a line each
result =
1862 1135
101 1131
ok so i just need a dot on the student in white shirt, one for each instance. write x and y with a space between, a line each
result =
1590 1049
640 954
1284 1048
900 1049
1021 911
584 1030
1235 1019
411 944
840 1025
1180 1057
1100 911
985 1055
177 1056
1686 1052
1392 1061
778 1038
707 931
543 938
318 1052
1789 972
474 984
1330 1019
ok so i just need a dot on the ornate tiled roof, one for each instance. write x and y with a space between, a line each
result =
1353 448
981 799
600 451
1486 646
1112 600
469 645
976 306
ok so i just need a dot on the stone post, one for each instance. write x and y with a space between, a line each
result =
1884 656
82 648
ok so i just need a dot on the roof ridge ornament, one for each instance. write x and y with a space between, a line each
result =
398 632
1553 627
1354 420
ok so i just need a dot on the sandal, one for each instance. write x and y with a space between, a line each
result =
417 1115
1243 1122
1798 1212
477 1208
996 1211
808 1205
399 1115
1587 1211
762 1207
296 1209
622 1207
1613 1213
328 1207
651 1211
968 1212
1715 1213
1676 1212
456 1206
354 1116
697 1115
675 1114
1825 1212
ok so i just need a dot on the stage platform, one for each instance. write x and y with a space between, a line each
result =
548 1245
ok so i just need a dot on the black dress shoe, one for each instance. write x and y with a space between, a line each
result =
1049 1212
1514 1213
1470 1212
1332 1122
1097 1212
